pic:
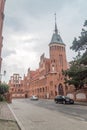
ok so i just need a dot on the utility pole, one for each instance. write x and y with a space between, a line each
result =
3 74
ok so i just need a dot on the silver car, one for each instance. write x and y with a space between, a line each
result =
34 97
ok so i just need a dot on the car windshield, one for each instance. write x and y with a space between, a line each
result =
33 96
58 96
66 97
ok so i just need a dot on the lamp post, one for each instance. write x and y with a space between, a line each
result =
3 74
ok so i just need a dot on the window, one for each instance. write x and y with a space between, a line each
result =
61 60
52 67
51 83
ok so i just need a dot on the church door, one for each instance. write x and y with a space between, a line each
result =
60 89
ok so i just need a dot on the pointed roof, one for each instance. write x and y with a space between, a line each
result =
56 38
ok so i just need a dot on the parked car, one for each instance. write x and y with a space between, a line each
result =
34 97
63 99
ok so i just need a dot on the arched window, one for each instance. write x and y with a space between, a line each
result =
60 89
52 67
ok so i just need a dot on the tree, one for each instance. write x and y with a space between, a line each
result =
4 88
81 43
77 74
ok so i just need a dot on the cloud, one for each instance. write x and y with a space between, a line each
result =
28 28
6 52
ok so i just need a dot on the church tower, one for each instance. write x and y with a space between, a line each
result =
57 52
57 62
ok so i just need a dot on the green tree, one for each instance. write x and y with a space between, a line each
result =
77 74
4 88
80 43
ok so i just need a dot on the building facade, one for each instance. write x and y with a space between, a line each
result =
2 4
16 86
47 81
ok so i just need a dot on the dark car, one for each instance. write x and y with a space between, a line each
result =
63 99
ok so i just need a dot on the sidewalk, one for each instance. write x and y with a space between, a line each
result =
7 120
81 103
75 102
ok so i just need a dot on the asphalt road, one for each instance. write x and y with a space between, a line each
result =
78 111
46 115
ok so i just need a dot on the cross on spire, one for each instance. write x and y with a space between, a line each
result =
55 17
56 31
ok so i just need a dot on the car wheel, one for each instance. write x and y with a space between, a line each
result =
64 102
56 101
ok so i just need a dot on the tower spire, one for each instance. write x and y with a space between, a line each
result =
56 30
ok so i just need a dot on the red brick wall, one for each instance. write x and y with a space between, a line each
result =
45 81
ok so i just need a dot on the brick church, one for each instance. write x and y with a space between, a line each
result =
47 81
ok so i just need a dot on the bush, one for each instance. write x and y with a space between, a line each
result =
4 88
2 98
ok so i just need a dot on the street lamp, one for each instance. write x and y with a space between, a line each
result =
4 73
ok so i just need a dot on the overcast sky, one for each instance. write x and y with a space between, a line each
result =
28 29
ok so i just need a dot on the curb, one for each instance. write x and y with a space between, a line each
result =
21 127
81 103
